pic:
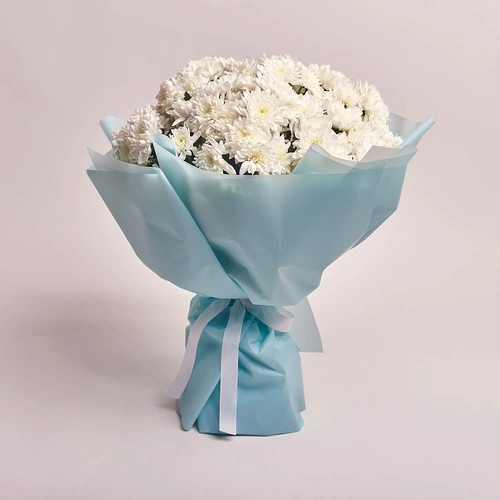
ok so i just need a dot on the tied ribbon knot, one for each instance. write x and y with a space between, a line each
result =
277 318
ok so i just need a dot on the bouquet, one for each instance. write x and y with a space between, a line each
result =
242 184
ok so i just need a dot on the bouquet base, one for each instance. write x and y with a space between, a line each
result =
270 395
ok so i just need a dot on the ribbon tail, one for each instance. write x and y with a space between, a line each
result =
184 374
229 369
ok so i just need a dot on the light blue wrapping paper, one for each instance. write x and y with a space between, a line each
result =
266 238
270 388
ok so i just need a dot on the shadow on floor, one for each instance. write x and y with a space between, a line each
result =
126 342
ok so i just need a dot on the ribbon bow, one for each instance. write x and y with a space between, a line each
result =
277 318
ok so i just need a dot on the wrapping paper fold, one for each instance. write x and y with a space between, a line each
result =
265 238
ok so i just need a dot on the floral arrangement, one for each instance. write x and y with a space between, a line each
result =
252 249
257 116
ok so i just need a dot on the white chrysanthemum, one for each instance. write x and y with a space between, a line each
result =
319 131
374 108
261 115
132 142
283 67
269 157
183 141
177 89
169 93
284 92
389 140
327 77
309 80
241 75
180 111
211 114
362 138
264 109
209 157
228 113
207 68
258 157
310 106
285 158
346 91
205 110
343 117
243 132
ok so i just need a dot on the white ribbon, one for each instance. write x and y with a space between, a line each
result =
180 382
277 318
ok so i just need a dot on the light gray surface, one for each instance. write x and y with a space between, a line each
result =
405 402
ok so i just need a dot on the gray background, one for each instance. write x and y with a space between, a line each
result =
404 404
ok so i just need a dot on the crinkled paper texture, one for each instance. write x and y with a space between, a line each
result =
268 238
270 389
